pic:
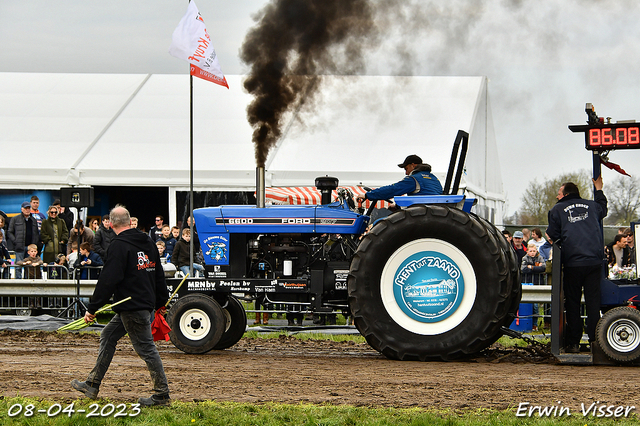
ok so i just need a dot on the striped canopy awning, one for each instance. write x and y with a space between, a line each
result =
298 195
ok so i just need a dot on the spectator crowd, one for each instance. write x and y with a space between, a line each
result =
54 243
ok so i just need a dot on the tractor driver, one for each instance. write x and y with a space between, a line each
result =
418 181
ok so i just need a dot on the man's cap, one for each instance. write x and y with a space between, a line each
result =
518 234
412 159
26 204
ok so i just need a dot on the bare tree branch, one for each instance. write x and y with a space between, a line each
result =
539 198
624 200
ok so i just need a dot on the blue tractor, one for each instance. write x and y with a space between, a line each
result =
430 281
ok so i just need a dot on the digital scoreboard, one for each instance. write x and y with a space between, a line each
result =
601 136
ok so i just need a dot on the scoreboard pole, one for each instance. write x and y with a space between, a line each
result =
597 169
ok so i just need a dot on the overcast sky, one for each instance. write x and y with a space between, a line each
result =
544 59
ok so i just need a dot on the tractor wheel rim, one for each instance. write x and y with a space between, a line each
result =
467 293
227 319
195 324
624 335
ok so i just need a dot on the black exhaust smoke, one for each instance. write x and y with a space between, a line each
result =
293 43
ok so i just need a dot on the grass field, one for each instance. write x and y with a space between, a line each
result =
18 411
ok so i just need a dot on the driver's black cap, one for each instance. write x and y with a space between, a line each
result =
412 159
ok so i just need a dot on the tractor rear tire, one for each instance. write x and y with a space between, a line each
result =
431 282
618 334
516 287
197 323
235 325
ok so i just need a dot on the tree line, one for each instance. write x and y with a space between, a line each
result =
623 194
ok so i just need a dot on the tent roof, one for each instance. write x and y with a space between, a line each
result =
115 129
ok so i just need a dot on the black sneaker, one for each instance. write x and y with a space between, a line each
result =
83 387
154 400
572 349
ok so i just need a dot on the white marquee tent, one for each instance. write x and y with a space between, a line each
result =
133 130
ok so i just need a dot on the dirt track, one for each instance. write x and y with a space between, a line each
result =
41 364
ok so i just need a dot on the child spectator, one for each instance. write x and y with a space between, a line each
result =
175 231
533 272
32 263
164 258
533 266
58 269
167 239
181 257
72 259
89 258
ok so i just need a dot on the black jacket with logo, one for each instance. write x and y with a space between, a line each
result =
575 224
133 269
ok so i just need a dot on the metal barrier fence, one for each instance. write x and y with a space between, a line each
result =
43 289
53 294
46 272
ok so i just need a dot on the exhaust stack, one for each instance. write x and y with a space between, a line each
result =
261 194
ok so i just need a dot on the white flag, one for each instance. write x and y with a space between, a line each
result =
191 42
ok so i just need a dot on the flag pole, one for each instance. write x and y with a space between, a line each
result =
191 42
191 173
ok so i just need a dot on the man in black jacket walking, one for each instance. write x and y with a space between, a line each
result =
575 224
133 269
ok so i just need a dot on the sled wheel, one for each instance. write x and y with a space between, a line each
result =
618 334
236 323
429 282
196 322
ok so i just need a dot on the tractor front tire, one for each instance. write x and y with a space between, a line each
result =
197 323
431 282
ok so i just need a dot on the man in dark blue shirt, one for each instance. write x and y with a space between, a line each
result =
575 224
419 181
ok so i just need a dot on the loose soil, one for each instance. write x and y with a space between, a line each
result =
289 370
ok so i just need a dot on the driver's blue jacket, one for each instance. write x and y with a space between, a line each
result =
420 182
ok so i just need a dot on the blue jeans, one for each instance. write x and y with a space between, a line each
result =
138 325
18 269
198 270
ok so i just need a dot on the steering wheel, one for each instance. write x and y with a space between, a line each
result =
371 206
